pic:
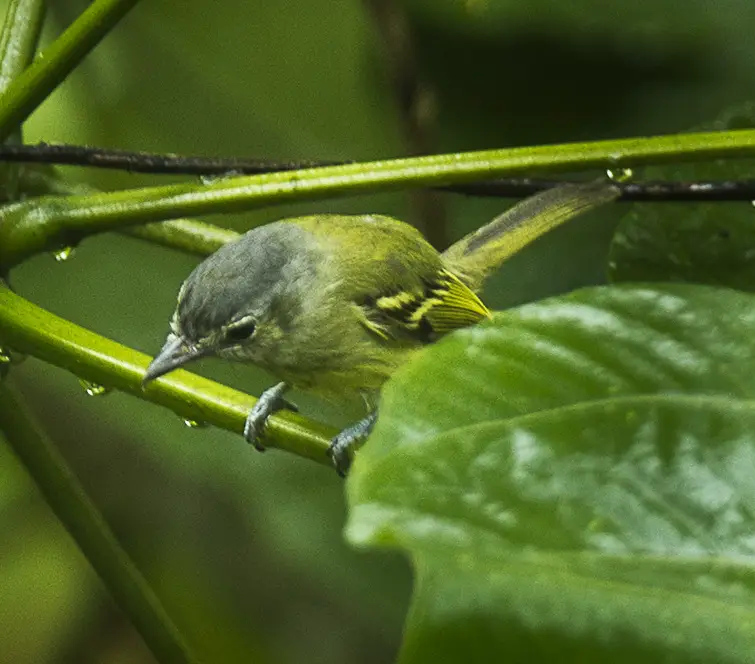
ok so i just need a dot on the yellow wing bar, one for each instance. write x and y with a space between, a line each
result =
446 304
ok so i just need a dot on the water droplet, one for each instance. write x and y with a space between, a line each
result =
195 424
219 177
5 362
619 174
94 389
62 255
10 357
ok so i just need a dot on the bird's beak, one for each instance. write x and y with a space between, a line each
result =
175 353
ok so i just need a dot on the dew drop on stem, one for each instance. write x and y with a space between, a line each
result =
619 174
94 389
5 362
63 254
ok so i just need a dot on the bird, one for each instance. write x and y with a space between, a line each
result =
335 304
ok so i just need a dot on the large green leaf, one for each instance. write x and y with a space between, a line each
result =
575 481
710 243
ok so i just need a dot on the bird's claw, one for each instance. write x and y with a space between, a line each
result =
338 451
255 423
270 401
341 445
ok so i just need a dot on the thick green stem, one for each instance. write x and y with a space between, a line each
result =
52 222
18 43
49 69
19 37
27 328
90 531
189 235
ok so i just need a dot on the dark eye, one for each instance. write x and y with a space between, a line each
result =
240 331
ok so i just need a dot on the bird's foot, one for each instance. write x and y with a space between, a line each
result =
270 401
340 447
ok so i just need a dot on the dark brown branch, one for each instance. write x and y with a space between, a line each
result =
146 162
657 191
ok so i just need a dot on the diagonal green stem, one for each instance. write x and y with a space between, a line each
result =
18 43
90 531
19 37
51 222
189 235
50 67
27 328
194 237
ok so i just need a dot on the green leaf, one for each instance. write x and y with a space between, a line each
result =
699 243
575 481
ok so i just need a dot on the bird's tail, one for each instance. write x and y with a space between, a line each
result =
477 255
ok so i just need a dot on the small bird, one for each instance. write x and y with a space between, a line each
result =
335 304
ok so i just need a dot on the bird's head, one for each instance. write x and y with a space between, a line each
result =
237 302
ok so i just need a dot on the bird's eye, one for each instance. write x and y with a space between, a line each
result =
240 331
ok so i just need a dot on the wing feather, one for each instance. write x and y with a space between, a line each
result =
442 304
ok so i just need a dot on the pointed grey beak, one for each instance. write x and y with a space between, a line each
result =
175 353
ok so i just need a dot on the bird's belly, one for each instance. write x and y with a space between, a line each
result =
348 374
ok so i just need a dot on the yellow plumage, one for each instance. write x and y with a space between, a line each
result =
336 303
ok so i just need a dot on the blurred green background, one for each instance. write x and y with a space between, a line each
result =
246 549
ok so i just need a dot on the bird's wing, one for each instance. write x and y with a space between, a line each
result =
439 304
397 281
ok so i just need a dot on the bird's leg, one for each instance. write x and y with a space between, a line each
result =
341 445
270 401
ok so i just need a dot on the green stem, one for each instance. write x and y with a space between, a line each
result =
89 529
52 222
28 90
187 235
27 328
18 43
194 237
19 37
